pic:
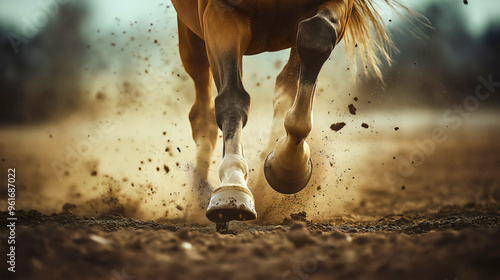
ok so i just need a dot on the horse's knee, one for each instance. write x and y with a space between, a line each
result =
231 106
316 38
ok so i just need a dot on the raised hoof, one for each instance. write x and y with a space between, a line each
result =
283 180
231 203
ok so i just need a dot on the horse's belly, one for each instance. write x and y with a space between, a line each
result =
274 24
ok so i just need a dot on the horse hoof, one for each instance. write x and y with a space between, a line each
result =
231 203
284 180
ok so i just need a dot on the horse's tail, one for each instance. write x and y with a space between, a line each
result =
367 32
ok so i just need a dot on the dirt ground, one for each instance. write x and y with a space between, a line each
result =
455 243
441 222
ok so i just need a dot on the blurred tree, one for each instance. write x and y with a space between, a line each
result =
440 68
42 80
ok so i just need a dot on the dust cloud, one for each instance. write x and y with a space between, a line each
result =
131 152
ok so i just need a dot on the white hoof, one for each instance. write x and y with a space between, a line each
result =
230 203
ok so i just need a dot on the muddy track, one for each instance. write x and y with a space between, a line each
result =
447 218
456 242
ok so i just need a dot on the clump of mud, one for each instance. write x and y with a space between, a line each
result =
337 126
352 109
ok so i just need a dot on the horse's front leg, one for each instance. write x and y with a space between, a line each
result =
288 168
226 40
284 95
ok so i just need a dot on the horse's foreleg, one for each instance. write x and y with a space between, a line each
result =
284 95
227 38
201 116
288 168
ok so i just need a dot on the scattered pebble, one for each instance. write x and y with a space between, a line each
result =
337 126
352 109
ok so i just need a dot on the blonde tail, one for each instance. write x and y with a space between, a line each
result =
367 32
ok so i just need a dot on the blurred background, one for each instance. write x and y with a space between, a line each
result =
94 104
49 47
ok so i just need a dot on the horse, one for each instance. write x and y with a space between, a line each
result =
214 35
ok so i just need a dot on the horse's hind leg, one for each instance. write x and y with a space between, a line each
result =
201 116
288 168
227 38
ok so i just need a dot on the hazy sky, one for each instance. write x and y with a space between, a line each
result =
14 13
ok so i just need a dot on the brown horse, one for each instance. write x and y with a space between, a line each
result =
213 37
